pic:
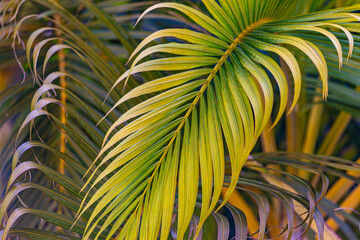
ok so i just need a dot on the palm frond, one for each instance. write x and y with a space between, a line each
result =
171 138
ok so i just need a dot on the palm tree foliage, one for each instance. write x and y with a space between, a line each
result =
168 152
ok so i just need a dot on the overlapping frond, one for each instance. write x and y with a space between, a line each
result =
215 100
35 104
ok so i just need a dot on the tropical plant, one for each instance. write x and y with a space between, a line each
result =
152 132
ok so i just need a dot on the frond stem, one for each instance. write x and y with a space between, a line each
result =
63 97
